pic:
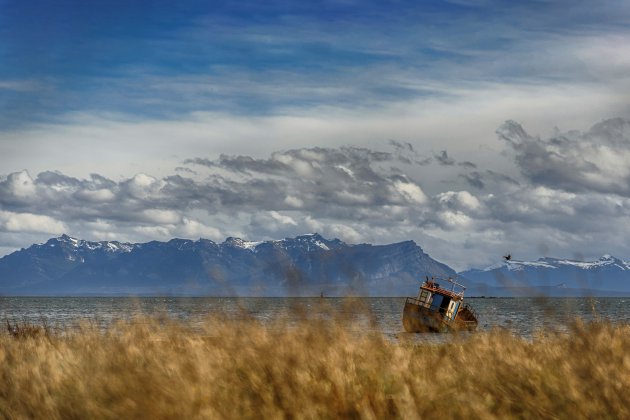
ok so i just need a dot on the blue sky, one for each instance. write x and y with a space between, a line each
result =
166 59
120 103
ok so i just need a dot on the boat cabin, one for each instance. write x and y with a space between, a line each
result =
439 299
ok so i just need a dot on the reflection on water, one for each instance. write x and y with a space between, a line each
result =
522 316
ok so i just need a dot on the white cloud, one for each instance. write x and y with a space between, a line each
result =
193 229
454 219
294 202
142 185
281 218
411 192
345 232
98 196
459 200
160 216
350 198
21 185
28 222
156 232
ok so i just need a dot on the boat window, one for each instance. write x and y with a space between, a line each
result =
424 296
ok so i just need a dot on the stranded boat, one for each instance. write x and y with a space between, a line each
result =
437 309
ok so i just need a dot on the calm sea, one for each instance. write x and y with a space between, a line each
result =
522 316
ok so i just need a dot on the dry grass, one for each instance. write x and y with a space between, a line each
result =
156 368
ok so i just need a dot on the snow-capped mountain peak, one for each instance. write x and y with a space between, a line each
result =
243 244
311 242
315 239
555 263
607 275
71 243
308 242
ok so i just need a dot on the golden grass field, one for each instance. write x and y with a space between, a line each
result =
157 368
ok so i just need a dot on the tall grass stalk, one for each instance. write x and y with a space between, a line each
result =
317 368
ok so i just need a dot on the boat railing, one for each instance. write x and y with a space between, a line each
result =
431 284
471 310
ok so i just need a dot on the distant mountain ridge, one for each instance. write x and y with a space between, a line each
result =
607 276
306 265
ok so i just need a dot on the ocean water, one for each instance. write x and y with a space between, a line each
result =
521 316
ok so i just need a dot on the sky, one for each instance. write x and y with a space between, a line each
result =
475 128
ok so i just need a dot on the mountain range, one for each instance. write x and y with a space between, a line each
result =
306 265
607 276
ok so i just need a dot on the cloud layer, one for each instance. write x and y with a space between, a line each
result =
322 182
568 193
596 160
